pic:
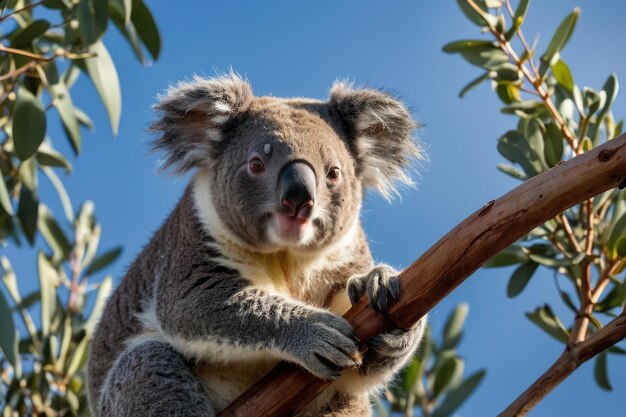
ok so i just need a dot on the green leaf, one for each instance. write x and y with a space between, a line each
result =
616 233
520 278
518 19
93 16
444 375
103 260
463 45
29 124
53 234
410 374
27 212
482 18
485 56
512 171
5 198
600 372
563 75
130 33
507 72
457 396
560 38
553 145
547 321
614 298
578 100
514 254
514 147
8 334
508 93
146 28
103 74
63 103
47 156
48 277
103 294
34 30
474 83
453 329
60 189
79 357
611 88
123 8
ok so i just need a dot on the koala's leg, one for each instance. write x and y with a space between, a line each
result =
390 351
152 379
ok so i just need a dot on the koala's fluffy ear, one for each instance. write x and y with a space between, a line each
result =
192 116
380 129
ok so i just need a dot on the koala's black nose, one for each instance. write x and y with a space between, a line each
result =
296 185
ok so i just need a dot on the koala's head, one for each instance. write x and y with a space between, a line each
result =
284 174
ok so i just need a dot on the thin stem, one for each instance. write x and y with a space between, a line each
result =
18 71
30 6
569 233
26 54
567 363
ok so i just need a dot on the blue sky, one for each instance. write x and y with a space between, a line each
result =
299 49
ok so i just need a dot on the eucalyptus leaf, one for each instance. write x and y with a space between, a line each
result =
47 156
5 198
48 277
63 103
146 27
520 278
514 254
27 212
482 18
35 29
29 124
563 75
104 290
474 83
553 145
512 171
103 74
8 334
600 372
547 321
457 396
518 19
560 38
53 234
444 375
453 329
463 45
93 16
60 189
103 260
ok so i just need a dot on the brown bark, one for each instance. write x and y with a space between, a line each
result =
499 223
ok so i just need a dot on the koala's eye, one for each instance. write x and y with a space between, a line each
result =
256 165
333 173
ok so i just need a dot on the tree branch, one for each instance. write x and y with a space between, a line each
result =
491 229
567 363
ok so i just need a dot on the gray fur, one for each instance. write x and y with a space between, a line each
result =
222 293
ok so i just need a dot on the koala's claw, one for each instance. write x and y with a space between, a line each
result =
328 346
381 284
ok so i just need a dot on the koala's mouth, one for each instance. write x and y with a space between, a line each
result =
292 226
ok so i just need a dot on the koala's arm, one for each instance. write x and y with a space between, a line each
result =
211 313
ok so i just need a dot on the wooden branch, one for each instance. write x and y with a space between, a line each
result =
491 229
567 363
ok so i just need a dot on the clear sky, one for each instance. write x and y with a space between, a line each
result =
298 49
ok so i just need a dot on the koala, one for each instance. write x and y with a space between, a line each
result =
261 256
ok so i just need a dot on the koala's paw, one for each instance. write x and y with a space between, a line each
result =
381 284
328 344
388 352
